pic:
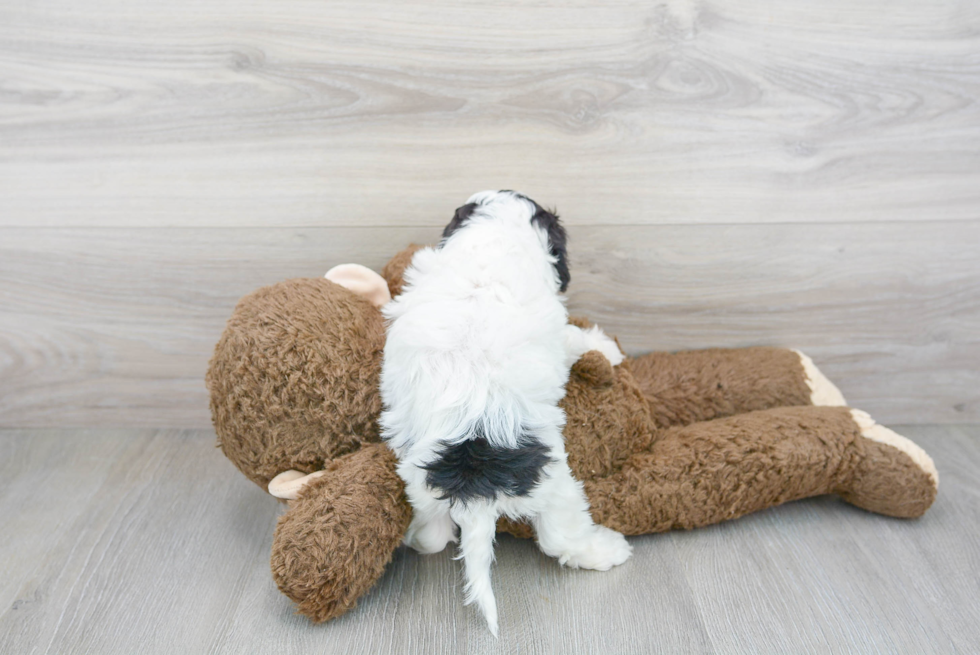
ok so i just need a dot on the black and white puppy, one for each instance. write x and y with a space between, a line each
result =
476 359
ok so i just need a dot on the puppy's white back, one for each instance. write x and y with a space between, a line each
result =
477 355
476 336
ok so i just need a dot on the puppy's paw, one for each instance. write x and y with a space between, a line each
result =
598 340
601 551
432 537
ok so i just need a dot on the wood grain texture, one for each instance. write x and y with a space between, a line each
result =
789 173
758 172
147 541
114 327
296 113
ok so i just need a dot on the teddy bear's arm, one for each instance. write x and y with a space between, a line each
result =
700 385
395 268
340 532
708 472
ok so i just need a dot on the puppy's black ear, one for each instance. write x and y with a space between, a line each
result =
459 219
548 221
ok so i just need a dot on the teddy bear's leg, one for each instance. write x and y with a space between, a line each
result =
881 481
701 385
708 472
340 533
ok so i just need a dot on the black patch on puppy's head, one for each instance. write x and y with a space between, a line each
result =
557 239
462 215
542 218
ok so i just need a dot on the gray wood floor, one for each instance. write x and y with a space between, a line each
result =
148 541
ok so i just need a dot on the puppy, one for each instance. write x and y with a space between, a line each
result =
477 356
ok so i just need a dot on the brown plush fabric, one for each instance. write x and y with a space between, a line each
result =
660 442
294 378
339 535
393 270
887 481
708 472
605 422
688 479
700 385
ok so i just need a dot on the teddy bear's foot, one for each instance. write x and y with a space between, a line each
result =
823 392
600 551
894 476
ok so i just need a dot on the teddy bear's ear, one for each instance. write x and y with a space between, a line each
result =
362 281
288 484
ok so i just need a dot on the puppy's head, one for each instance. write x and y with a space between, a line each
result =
545 222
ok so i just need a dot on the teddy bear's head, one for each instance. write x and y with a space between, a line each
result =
294 378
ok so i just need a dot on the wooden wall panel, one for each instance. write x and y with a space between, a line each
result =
754 172
295 113
115 326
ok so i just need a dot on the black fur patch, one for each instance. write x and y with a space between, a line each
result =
459 219
475 469
558 240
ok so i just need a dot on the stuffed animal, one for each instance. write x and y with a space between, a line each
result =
662 441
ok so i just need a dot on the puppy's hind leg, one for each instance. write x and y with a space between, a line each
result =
433 536
477 522
431 527
565 529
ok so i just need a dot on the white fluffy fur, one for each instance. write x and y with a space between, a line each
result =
480 335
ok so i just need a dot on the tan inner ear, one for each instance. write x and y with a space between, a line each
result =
288 484
362 281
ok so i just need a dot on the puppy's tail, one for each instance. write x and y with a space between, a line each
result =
477 523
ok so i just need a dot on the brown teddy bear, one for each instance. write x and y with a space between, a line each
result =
661 441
